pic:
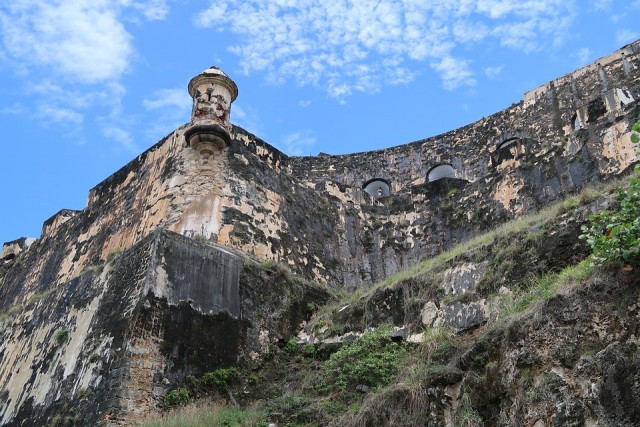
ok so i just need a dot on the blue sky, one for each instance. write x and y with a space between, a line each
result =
89 84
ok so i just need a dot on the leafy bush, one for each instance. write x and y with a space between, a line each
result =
220 379
291 346
178 397
373 360
614 235
61 336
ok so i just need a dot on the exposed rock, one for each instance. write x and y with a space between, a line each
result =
165 308
464 316
462 278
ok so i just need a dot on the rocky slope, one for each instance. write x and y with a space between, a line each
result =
550 341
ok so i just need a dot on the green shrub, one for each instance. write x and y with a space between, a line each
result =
291 346
309 350
221 379
192 381
61 336
614 235
178 397
373 360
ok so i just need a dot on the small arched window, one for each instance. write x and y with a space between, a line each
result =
441 171
508 143
377 187
576 121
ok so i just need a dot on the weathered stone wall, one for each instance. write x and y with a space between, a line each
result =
546 116
312 213
108 344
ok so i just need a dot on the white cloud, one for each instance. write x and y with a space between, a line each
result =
153 10
247 118
80 40
347 46
55 114
584 55
298 143
601 5
626 36
493 72
617 17
121 136
168 98
304 103
171 108
454 72
71 56
16 109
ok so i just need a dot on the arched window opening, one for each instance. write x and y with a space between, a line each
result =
377 188
576 121
510 148
508 143
441 171
595 110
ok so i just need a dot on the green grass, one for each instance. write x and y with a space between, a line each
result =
466 415
11 313
37 296
539 288
269 264
200 238
207 416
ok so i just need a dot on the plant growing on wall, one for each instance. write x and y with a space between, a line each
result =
61 336
178 397
372 360
614 235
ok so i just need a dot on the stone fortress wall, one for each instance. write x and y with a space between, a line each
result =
550 116
188 213
313 212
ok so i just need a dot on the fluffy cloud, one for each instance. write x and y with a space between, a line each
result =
168 98
626 36
298 143
121 136
584 55
73 52
347 46
171 108
454 72
81 40
50 113
493 72
601 5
